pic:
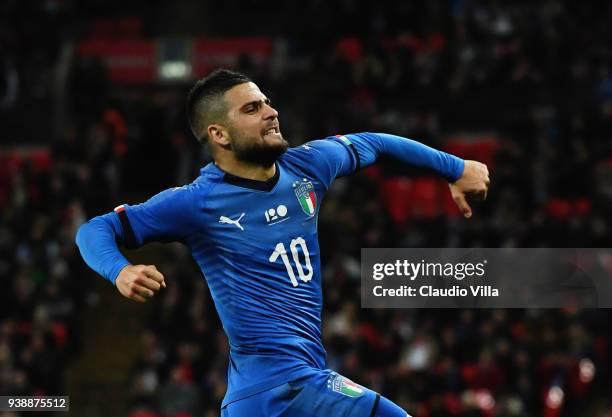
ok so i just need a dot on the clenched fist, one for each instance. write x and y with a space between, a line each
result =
474 183
139 282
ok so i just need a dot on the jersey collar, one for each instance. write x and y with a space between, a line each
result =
266 185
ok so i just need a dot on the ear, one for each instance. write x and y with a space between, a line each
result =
219 135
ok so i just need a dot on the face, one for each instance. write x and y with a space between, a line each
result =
252 126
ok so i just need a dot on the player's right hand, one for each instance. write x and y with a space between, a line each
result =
139 282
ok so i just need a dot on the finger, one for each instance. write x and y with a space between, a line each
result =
464 207
153 273
135 293
147 283
480 195
138 298
144 292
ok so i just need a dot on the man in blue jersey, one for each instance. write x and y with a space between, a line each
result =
250 221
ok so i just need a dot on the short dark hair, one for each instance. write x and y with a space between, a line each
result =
205 104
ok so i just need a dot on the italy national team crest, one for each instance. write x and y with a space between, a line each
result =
342 385
304 191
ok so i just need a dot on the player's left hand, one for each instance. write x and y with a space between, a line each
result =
474 182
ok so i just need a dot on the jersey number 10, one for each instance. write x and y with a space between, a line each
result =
280 250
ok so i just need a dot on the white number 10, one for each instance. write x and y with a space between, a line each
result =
280 250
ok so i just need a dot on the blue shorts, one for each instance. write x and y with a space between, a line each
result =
322 395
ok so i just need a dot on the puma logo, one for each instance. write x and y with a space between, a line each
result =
236 222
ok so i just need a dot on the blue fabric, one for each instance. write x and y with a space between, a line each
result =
96 240
258 250
320 395
372 145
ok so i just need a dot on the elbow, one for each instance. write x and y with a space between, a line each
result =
81 233
97 227
86 230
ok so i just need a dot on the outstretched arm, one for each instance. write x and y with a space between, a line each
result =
466 178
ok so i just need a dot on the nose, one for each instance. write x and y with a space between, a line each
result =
269 112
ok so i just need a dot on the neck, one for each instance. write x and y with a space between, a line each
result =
246 170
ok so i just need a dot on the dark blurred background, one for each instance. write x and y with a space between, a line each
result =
92 115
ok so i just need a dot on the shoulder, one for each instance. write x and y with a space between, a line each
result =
324 159
210 177
185 196
312 151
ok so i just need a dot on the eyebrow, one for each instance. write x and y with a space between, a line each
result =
256 102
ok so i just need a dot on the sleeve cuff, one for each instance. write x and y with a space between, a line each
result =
116 269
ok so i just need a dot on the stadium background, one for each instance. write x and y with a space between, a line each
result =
92 115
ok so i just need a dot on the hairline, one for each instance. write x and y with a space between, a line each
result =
221 108
205 109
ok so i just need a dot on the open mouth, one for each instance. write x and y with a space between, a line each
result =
273 131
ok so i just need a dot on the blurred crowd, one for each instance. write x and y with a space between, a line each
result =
433 363
523 86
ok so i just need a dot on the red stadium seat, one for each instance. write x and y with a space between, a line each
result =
424 198
41 160
394 191
421 198
564 209
559 209
449 207
481 149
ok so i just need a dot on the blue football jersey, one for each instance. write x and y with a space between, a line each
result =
256 244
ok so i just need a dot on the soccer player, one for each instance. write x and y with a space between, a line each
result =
250 221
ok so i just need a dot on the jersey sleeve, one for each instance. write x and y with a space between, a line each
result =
368 147
97 241
330 158
168 216
344 154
